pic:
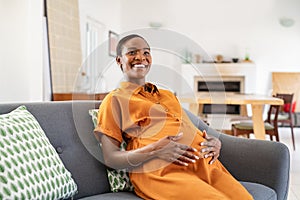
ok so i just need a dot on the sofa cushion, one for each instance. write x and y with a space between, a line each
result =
114 196
118 178
259 191
30 168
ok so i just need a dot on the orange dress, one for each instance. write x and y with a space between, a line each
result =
142 115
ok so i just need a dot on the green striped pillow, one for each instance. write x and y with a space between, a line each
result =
30 168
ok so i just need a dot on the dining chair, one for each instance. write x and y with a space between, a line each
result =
285 113
245 127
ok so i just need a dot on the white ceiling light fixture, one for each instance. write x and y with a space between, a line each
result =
286 22
155 25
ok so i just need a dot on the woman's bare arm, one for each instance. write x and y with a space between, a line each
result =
166 148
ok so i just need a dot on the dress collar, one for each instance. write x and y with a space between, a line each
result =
135 88
151 88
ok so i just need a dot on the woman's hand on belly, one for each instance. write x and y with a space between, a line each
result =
212 147
170 150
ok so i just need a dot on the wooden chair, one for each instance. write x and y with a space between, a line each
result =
246 127
285 113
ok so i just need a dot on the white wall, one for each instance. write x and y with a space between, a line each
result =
21 50
105 16
104 12
228 28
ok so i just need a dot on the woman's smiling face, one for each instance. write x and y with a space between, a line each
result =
135 59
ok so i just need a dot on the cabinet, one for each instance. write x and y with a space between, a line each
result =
78 96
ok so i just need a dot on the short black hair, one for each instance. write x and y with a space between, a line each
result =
124 40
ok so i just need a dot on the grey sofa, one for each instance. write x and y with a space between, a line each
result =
261 166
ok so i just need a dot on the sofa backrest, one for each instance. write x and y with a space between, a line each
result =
70 130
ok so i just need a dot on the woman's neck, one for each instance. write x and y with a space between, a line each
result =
136 81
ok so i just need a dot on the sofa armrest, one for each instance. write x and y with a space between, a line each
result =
257 161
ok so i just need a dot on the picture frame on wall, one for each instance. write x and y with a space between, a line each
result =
112 43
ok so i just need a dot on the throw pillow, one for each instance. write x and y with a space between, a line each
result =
286 107
118 178
30 168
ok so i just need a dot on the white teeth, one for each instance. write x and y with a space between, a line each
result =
140 66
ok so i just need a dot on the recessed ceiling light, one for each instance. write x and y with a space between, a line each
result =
286 22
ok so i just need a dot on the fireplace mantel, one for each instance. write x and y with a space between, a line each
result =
247 70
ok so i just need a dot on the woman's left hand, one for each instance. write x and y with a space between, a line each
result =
212 147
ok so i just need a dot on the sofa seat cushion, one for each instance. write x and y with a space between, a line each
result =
259 191
113 196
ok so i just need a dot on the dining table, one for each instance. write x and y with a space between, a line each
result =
257 102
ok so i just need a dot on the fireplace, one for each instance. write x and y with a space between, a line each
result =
220 84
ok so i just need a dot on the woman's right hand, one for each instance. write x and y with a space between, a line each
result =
170 150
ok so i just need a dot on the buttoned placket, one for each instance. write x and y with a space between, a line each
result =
151 97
